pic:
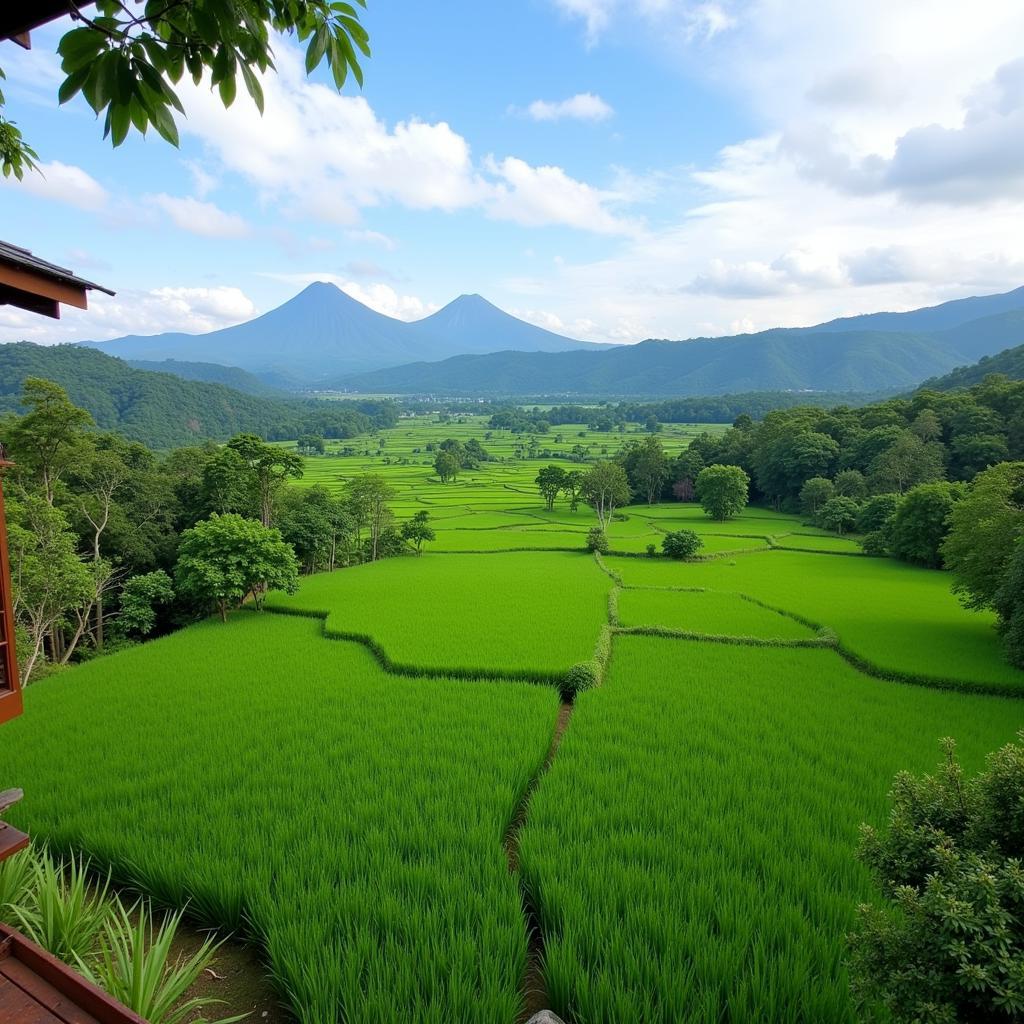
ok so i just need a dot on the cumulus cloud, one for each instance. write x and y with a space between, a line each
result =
377 295
535 196
200 218
64 183
584 106
878 81
320 154
190 310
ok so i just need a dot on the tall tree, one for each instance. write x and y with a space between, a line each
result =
984 530
605 487
550 481
650 470
49 580
51 437
368 497
269 466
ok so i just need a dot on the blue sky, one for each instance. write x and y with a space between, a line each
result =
613 169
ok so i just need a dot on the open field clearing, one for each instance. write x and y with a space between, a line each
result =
530 614
690 850
817 542
706 612
269 775
899 618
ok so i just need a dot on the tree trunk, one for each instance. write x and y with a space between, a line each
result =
223 606
99 623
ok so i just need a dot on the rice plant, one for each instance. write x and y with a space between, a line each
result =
281 784
895 616
532 613
691 849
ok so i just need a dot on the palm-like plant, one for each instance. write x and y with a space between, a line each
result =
134 966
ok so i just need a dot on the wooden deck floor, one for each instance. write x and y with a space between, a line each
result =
35 988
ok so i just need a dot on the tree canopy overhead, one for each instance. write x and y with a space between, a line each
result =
127 59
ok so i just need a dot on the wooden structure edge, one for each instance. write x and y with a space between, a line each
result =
57 976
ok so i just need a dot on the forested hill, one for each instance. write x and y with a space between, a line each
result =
212 373
1010 363
162 410
777 360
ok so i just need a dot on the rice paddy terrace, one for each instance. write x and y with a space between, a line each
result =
377 783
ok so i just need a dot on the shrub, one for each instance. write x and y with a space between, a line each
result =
597 540
681 544
651 550
876 512
948 944
582 676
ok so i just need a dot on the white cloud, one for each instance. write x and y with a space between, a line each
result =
535 196
190 310
199 218
64 183
686 20
373 238
319 154
584 106
376 294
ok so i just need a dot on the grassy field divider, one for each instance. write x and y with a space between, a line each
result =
613 606
396 668
611 573
535 996
498 551
715 638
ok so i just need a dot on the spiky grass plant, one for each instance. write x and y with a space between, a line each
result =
135 966
15 876
60 908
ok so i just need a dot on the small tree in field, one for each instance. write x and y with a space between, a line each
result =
417 530
681 544
597 540
550 480
722 491
605 488
948 945
839 515
571 488
226 558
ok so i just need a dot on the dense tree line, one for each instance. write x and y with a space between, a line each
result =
161 410
111 542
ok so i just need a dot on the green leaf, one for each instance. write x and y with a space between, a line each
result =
120 121
163 122
317 48
252 84
227 90
72 85
79 47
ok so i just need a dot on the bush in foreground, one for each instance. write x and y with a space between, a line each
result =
681 544
949 943
597 540
582 676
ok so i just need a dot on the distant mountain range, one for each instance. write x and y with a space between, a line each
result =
323 339
322 333
778 360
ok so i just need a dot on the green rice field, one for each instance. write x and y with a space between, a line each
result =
690 848
354 780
